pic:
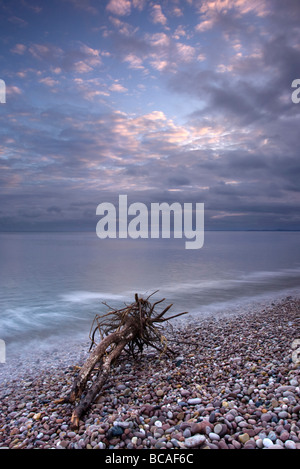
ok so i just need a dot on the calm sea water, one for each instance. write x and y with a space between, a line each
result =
53 284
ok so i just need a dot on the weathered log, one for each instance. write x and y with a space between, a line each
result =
117 337
97 385
130 329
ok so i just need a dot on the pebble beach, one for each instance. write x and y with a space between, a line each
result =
233 383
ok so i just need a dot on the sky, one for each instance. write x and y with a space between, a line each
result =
183 101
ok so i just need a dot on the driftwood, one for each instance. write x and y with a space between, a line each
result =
128 329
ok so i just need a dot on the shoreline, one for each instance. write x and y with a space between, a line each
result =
232 384
22 356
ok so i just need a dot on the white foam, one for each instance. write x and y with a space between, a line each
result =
225 283
88 296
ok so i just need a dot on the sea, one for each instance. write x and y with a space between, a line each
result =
53 284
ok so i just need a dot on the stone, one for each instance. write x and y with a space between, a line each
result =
250 444
236 444
187 433
193 441
259 443
290 444
121 387
244 437
115 431
267 417
201 427
282 389
267 442
272 435
194 401
222 444
218 428
284 436
119 423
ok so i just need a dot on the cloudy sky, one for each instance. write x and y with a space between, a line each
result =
170 100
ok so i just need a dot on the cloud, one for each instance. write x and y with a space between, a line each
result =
186 52
139 4
82 59
118 88
13 90
45 52
119 7
177 11
217 13
48 81
164 100
123 28
19 49
17 21
157 15
35 8
83 5
134 62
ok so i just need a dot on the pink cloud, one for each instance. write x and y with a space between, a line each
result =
19 49
119 7
48 81
158 16
118 88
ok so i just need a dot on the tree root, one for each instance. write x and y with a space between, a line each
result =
129 329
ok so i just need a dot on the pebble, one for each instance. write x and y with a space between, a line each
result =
259 443
201 427
239 391
250 444
289 444
194 401
244 437
187 433
267 442
194 441
284 436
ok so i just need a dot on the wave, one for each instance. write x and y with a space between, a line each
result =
88 296
237 280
